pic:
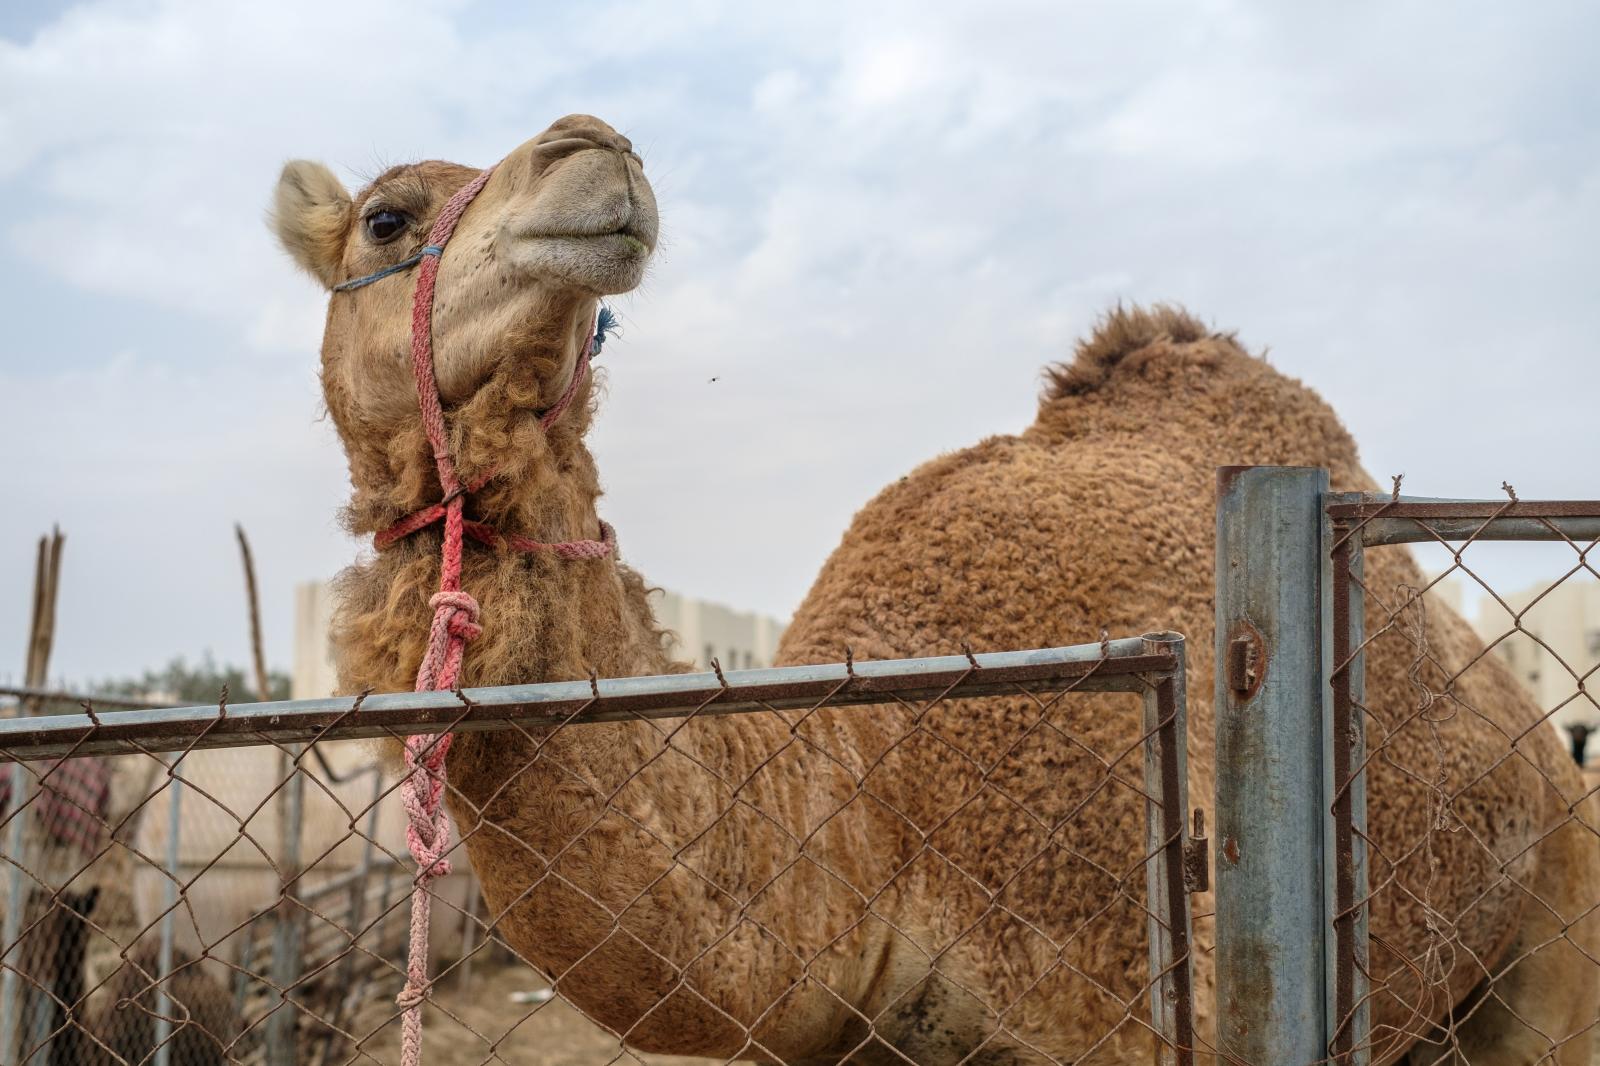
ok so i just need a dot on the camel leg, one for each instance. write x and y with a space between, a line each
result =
1544 1008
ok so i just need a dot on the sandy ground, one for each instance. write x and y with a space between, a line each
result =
464 1023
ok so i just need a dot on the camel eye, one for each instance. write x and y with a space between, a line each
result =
383 226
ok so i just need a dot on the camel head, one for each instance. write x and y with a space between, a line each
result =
566 218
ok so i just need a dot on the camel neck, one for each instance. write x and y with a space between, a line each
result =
516 443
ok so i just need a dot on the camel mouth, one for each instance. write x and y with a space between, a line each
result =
623 239
603 263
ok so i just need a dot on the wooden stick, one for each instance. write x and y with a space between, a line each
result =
42 629
263 684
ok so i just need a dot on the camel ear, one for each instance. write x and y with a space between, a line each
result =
311 215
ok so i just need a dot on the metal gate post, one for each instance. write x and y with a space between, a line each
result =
1271 1006
1166 774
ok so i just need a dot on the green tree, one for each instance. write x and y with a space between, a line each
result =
198 683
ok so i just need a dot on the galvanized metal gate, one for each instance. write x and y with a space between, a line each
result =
1294 965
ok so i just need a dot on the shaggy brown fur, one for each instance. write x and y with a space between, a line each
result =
1102 514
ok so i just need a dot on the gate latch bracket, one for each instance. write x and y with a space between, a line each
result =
1245 663
1197 856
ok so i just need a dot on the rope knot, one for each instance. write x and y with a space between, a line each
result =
459 612
411 997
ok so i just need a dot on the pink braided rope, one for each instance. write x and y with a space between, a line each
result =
455 621
579 372
422 328
455 613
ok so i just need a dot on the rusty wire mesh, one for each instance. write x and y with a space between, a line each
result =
248 903
1465 906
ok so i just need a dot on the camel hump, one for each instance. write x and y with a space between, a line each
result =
1126 338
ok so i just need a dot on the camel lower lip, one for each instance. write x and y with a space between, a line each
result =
625 243
621 243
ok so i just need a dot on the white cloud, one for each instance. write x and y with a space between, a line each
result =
880 222
146 469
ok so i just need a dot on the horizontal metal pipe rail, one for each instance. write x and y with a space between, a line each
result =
1424 519
1110 666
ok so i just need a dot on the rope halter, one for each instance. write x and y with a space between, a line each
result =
455 612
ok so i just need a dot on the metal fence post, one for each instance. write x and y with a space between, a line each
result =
281 1043
169 903
1271 1006
16 901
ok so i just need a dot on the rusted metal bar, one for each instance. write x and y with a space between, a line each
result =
1166 773
1345 799
1421 519
1114 666
1270 918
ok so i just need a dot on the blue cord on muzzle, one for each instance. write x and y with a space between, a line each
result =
604 325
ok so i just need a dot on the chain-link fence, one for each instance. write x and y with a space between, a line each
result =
1466 870
700 864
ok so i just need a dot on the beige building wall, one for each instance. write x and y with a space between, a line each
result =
231 844
1559 643
312 674
1560 625
738 640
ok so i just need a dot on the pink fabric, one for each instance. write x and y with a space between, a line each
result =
73 799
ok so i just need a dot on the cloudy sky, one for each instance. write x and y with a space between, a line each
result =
880 221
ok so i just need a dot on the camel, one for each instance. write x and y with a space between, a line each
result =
1101 513
712 886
